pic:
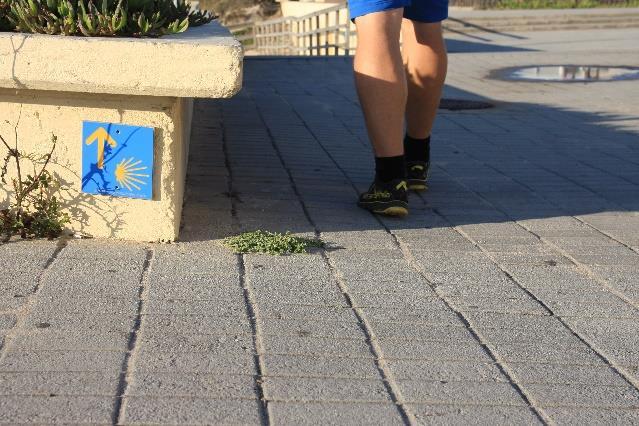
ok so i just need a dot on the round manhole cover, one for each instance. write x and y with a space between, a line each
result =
463 104
569 73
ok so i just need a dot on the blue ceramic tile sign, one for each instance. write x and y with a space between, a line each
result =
117 160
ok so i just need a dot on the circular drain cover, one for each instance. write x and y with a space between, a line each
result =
462 104
569 73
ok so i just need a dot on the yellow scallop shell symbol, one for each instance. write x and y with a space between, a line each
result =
130 174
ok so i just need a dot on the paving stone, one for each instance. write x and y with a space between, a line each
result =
223 386
552 352
196 343
584 395
82 361
193 307
445 371
606 306
413 283
324 389
315 346
241 362
520 304
428 414
556 335
460 392
325 297
79 339
307 313
550 259
593 416
440 351
50 383
194 324
607 260
73 321
94 305
320 366
566 374
14 299
90 249
313 328
516 323
145 410
71 269
438 313
387 331
59 409
334 413
226 293
7 321
420 300
126 286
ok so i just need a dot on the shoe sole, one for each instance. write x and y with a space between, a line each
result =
393 211
396 208
417 185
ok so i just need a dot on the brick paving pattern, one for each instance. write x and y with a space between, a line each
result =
510 295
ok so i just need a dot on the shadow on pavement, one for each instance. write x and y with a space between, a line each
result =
291 149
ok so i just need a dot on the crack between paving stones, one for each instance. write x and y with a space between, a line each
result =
620 370
494 355
629 247
128 363
23 312
386 374
626 376
580 265
539 413
250 302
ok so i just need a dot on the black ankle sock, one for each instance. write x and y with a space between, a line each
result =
390 168
417 149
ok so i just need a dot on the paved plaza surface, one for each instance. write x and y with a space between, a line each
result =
509 295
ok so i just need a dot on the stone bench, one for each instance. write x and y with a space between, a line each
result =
57 84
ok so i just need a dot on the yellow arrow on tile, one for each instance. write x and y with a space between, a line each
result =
102 137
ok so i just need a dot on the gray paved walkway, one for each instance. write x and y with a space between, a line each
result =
510 295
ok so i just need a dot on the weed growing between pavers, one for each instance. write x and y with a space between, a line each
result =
34 210
271 243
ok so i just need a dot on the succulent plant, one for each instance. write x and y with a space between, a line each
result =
141 18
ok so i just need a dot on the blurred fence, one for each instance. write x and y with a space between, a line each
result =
323 33
330 32
496 4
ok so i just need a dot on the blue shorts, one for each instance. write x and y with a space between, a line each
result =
415 10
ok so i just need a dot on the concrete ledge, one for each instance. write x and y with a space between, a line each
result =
203 62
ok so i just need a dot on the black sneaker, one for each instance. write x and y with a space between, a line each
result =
388 198
417 172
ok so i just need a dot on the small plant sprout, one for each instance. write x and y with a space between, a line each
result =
34 210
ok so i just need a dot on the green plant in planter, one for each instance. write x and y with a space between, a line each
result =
151 18
34 210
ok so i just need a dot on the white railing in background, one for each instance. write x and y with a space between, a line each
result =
323 33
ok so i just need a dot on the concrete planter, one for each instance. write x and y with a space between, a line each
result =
51 84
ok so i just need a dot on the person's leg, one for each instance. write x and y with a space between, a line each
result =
426 63
380 80
381 85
